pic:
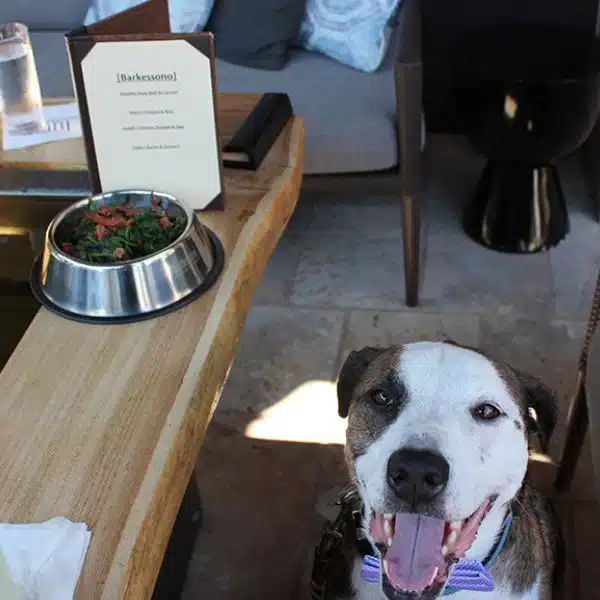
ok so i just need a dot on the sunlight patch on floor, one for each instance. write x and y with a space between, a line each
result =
307 414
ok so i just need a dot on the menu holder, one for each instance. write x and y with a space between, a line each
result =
147 103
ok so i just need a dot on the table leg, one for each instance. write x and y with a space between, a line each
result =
577 427
173 571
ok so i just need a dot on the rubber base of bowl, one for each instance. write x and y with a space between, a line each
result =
213 275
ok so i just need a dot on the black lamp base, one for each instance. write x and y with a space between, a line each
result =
517 208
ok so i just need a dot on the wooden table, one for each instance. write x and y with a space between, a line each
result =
102 424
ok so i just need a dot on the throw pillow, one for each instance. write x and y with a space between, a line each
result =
256 33
185 15
353 32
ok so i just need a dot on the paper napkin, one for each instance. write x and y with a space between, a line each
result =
44 560
62 122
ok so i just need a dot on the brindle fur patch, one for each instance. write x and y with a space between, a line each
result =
366 422
531 547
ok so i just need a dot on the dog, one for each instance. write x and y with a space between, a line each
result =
437 446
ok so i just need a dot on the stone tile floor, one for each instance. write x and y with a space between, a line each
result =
333 284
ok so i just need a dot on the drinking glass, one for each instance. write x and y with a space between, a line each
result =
20 96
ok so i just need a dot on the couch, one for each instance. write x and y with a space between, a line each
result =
352 118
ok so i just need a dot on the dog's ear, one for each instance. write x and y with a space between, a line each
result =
353 367
541 406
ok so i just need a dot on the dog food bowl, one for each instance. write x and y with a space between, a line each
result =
126 291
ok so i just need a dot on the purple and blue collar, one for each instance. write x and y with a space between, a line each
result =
466 574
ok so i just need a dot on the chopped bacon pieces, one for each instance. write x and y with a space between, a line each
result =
128 212
111 222
101 232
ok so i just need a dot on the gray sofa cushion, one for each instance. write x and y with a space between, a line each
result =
44 14
350 116
255 34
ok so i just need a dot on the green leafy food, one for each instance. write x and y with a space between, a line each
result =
118 232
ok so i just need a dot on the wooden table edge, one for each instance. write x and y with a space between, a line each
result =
134 553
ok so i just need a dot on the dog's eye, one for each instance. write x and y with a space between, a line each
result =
382 398
485 412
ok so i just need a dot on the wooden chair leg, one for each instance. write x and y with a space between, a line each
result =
411 224
409 78
578 422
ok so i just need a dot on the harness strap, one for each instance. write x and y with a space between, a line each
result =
489 561
332 537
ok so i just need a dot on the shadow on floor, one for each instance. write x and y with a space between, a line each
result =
260 520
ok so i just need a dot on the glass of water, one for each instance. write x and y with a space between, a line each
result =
21 106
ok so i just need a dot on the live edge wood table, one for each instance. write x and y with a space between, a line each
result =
103 424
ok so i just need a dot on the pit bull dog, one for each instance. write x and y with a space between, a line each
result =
437 448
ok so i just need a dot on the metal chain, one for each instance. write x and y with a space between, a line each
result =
331 538
591 326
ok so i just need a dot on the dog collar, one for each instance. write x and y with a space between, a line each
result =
469 575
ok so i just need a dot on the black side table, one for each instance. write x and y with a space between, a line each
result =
530 95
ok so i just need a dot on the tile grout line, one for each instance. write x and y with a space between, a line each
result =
553 312
343 334
289 283
405 310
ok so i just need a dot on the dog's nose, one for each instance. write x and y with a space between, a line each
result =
417 475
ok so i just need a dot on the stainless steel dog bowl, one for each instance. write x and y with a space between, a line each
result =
129 290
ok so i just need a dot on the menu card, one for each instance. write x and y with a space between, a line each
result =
148 106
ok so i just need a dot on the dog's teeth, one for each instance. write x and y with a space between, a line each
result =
444 550
387 527
456 525
451 539
435 573
385 567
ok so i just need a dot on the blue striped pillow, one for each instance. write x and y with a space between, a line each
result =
353 32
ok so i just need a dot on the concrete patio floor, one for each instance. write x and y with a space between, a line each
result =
335 283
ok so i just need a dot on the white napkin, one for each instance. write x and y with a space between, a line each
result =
62 122
44 560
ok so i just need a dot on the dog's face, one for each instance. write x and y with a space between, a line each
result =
437 438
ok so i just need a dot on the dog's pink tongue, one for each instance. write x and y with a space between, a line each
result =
415 552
